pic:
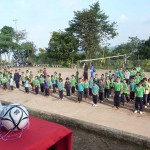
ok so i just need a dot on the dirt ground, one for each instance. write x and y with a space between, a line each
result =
122 119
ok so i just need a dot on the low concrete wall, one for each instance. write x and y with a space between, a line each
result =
88 136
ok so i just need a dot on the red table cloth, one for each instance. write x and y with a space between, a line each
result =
41 135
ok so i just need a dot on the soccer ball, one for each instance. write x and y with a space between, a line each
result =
14 117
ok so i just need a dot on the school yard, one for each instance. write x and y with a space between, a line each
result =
122 119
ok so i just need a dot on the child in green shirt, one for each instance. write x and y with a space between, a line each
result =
4 82
42 80
124 92
139 98
106 88
73 84
86 88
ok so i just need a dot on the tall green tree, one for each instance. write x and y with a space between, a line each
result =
6 41
92 28
62 46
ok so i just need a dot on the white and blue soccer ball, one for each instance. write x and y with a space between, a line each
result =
14 117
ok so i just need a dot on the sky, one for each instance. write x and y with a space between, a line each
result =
41 17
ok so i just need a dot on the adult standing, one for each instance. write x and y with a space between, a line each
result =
17 78
92 70
85 74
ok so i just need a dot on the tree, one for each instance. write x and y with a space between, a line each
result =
62 46
144 49
6 40
92 28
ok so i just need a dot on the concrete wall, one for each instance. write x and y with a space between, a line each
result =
88 136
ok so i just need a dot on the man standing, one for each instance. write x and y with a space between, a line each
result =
85 72
17 79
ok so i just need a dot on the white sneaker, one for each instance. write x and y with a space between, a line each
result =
93 105
62 99
147 103
141 112
135 111
145 107
101 101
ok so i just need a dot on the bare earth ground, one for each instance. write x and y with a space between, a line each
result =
122 119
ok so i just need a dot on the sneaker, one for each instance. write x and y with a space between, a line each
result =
101 101
62 99
93 105
148 104
141 112
135 111
145 107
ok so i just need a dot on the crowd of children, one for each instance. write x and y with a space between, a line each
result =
122 85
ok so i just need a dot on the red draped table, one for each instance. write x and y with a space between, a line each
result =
41 135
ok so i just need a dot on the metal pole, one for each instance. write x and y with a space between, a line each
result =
15 21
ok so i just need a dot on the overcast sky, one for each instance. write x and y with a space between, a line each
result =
41 17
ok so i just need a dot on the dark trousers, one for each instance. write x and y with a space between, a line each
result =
106 93
86 92
85 75
90 92
47 92
128 81
80 93
117 98
101 96
139 100
37 89
61 94
17 84
54 88
68 92
95 99
27 89
22 83
145 99
73 89
132 95
11 87
122 97
4 86
110 90
148 99
42 87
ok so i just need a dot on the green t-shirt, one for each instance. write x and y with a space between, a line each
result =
86 85
73 81
1 76
8 76
125 88
55 77
42 80
23 78
36 82
107 84
137 79
77 78
117 86
4 80
138 69
139 92
132 73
